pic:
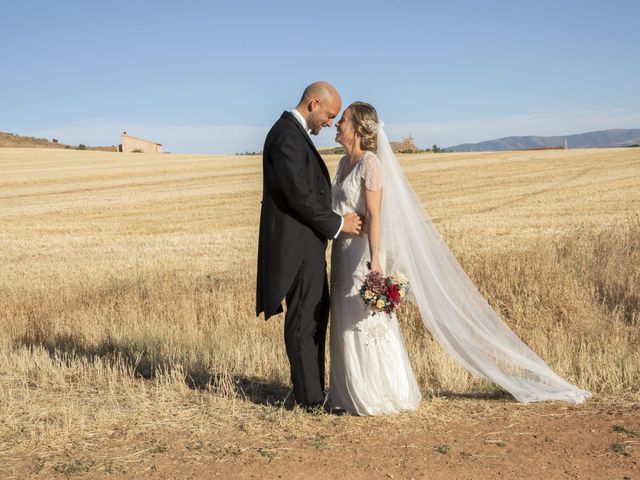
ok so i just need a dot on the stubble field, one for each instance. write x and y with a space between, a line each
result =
129 347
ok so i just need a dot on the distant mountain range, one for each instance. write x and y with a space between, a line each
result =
601 138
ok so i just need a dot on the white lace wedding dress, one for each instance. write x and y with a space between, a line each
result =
370 373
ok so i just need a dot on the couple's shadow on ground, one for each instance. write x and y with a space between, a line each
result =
145 365
67 348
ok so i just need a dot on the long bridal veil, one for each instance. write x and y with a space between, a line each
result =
452 308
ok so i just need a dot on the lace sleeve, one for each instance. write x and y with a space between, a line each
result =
371 172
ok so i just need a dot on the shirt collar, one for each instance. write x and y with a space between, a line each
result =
301 119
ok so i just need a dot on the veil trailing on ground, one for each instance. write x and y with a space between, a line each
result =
452 308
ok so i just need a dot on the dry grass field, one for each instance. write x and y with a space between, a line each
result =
129 347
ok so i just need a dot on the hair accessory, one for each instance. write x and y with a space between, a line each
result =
371 126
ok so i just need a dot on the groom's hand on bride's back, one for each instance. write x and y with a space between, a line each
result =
352 223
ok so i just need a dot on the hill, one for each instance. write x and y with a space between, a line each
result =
597 139
11 140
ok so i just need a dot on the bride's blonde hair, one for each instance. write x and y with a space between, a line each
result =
365 122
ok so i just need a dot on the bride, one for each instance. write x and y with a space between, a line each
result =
370 373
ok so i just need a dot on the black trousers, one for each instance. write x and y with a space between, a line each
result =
305 324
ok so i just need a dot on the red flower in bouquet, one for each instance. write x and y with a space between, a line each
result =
384 294
393 294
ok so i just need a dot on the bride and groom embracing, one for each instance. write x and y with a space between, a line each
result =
302 209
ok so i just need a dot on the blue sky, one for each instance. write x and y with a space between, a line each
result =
211 77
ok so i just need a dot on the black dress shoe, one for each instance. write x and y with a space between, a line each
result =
314 407
337 411
341 412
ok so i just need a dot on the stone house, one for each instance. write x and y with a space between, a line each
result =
407 145
130 144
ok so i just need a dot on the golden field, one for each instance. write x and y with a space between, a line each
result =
128 342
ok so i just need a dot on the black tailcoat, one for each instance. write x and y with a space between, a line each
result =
296 206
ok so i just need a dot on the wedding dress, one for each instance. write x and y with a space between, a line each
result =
370 373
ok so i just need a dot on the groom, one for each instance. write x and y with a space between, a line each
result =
296 221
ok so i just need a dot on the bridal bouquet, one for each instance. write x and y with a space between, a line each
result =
384 294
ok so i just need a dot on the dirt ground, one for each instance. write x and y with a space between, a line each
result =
510 441
450 438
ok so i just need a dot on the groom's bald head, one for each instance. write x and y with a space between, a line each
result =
319 90
319 105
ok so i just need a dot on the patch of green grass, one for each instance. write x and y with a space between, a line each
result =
75 467
444 449
319 441
228 451
620 448
628 431
160 448
270 454
38 466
